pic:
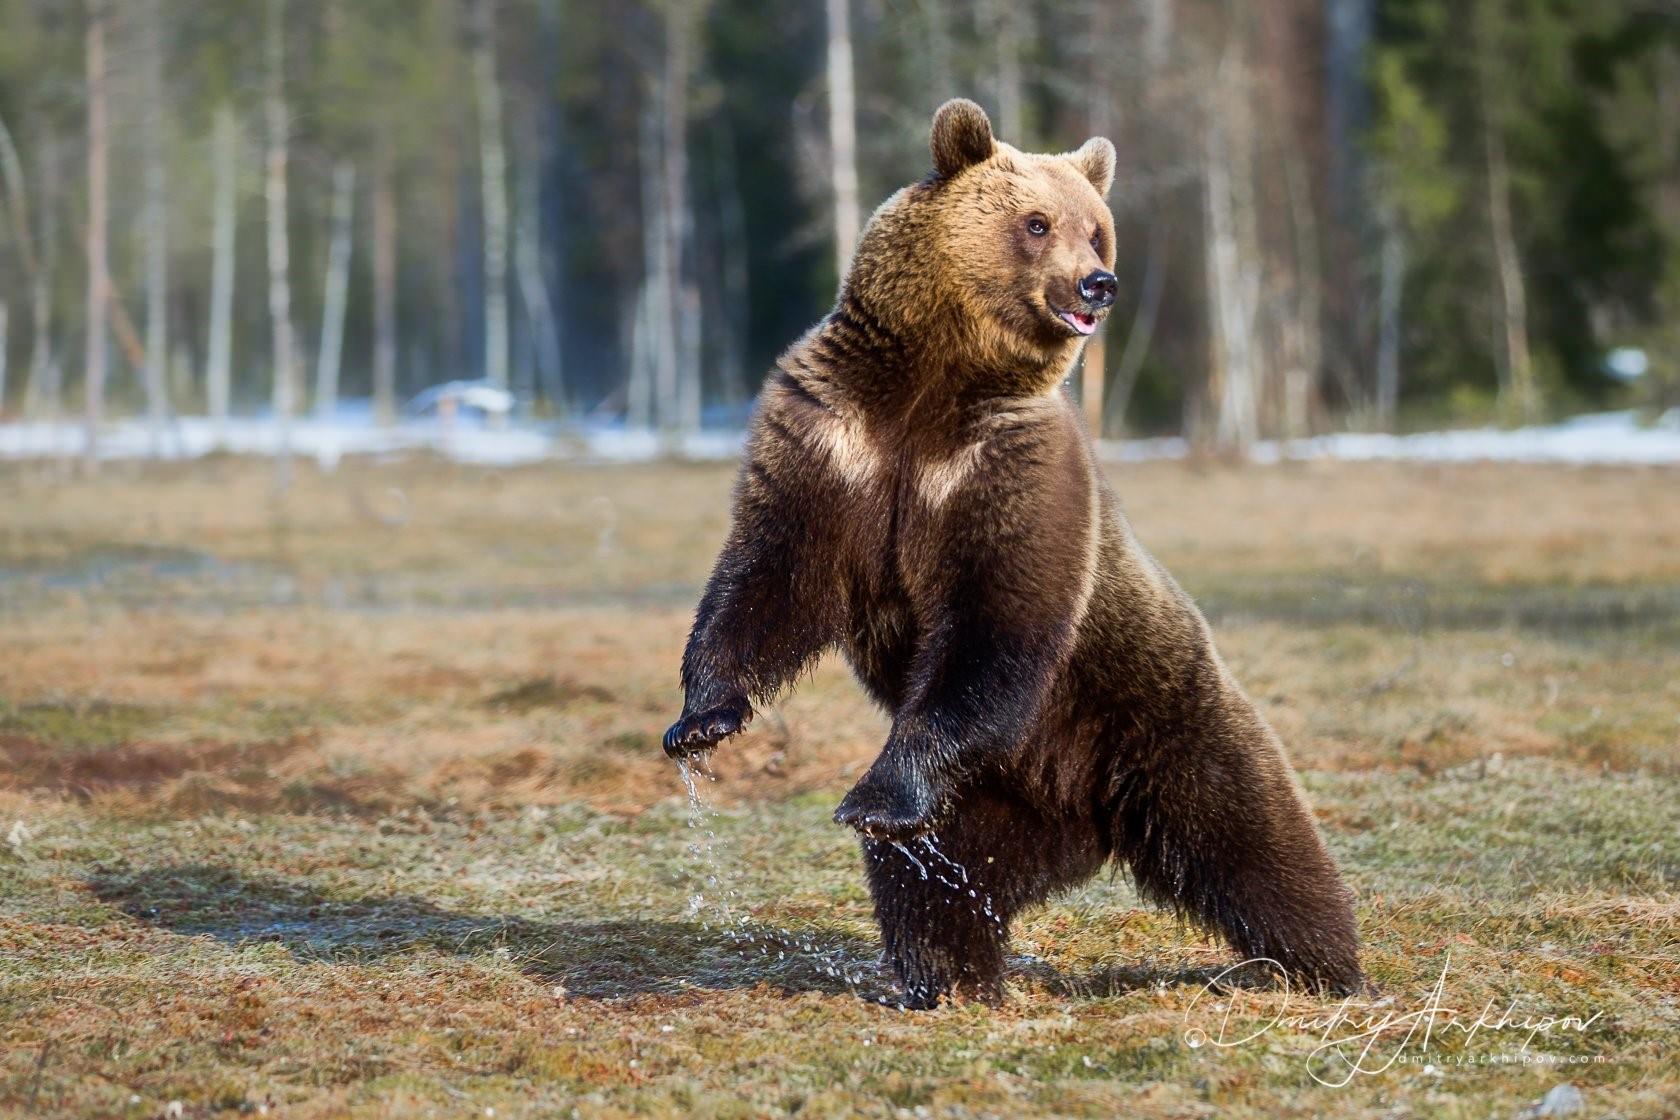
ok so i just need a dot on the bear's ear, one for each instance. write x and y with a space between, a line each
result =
962 136
1095 160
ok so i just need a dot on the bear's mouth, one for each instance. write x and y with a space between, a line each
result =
1083 323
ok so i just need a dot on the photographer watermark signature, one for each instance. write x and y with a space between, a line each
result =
1360 1038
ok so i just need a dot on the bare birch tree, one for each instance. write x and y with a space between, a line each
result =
218 374
544 325
1389 290
1301 305
279 237
1232 266
842 133
17 205
493 178
384 293
941 71
46 373
156 222
99 277
652 345
335 292
1516 369
1001 21
679 351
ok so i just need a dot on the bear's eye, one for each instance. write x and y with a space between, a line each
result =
1037 226
1096 241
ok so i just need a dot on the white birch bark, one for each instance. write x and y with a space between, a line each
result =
842 134
673 148
279 239
1233 282
45 394
540 317
218 377
1002 22
17 202
1142 331
99 278
941 74
156 221
493 172
1389 291
651 343
335 292
384 296
1515 366
736 286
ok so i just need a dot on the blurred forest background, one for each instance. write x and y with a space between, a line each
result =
1332 213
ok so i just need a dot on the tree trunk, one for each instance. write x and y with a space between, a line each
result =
638 391
98 284
279 239
218 374
941 74
676 362
652 344
493 170
156 220
1389 294
34 267
735 296
3 354
1142 331
1233 284
1001 20
543 324
1303 316
45 394
384 295
842 134
1516 368
1157 33
335 293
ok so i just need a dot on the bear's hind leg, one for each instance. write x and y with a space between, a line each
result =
945 901
940 938
1213 827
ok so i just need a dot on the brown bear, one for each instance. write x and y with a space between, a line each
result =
919 493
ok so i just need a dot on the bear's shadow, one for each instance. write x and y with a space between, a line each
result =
594 959
597 959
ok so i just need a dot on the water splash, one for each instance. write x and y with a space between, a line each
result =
962 890
720 904
920 866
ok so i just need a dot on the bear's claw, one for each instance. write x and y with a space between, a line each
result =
702 731
882 811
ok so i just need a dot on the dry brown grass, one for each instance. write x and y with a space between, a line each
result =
352 804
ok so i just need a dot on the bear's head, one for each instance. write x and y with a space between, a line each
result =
1005 257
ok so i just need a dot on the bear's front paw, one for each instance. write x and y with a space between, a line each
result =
704 730
886 806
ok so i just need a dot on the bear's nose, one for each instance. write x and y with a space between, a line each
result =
1098 288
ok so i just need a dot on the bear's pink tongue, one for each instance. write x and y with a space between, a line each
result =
1084 324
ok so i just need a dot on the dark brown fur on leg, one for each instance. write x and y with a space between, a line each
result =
1215 829
938 940
945 901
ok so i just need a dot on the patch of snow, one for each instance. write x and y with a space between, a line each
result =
464 439
1598 438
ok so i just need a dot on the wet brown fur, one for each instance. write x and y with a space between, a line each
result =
919 494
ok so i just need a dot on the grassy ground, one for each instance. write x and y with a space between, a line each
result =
350 803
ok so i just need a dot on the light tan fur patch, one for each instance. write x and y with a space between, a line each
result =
937 480
848 449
